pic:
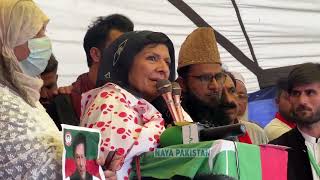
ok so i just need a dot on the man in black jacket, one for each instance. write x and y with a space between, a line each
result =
304 92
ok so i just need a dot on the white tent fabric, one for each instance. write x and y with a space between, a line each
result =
282 32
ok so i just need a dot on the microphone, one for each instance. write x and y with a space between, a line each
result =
160 104
222 132
164 88
173 135
176 93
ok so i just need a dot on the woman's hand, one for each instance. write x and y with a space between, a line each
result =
114 163
110 175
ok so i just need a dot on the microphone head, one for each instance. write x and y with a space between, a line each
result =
176 89
164 86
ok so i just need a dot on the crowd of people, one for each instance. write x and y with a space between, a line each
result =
119 97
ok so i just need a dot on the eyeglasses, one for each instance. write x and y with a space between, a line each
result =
208 78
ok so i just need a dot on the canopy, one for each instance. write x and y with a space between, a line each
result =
271 34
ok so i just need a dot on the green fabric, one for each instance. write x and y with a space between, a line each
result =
224 156
249 161
171 136
227 164
166 168
313 162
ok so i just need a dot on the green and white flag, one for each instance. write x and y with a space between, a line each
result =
238 160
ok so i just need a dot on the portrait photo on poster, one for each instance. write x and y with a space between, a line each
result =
81 150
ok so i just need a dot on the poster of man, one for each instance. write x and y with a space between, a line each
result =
80 153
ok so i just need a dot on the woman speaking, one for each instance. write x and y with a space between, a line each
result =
120 106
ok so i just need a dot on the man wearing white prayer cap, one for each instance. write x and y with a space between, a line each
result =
255 132
242 96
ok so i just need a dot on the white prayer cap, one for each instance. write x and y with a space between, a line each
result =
238 77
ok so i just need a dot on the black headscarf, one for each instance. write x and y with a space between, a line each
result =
118 57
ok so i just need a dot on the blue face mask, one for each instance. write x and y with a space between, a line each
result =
40 52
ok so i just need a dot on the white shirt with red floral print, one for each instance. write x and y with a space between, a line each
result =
127 124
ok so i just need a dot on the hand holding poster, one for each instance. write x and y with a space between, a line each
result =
80 153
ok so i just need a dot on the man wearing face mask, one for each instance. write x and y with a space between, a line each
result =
30 141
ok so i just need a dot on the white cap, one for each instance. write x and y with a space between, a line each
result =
238 77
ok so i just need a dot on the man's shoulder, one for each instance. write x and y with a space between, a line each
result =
276 123
81 76
275 129
273 122
255 132
91 177
252 125
283 139
82 85
290 138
